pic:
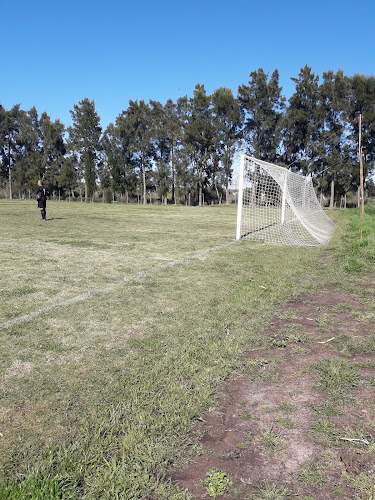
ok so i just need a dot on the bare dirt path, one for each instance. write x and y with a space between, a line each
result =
300 421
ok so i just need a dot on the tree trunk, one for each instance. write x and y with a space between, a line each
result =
217 194
173 177
332 200
227 202
10 172
144 184
200 187
321 199
10 184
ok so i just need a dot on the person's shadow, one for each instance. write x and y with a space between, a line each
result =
56 218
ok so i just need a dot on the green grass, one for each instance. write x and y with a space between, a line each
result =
270 491
271 440
99 390
337 376
313 475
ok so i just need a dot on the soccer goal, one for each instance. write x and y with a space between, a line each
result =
279 206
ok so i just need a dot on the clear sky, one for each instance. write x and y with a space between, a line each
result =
54 54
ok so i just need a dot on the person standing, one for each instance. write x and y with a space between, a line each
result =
41 196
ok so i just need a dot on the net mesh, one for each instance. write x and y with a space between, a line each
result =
279 206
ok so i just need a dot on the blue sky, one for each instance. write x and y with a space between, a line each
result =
55 54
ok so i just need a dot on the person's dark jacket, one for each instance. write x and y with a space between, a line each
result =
41 196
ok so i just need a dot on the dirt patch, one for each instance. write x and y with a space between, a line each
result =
277 427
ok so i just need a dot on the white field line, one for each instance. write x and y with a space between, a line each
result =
108 288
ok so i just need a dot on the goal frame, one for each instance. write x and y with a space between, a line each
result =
311 226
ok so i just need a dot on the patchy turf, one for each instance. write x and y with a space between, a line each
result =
146 314
301 419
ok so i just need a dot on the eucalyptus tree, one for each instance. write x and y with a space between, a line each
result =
186 184
9 141
161 148
134 131
84 140
263 106
183 183
228 122
174 135
68 174
114 158
334 151
53 150
3 166
199 134
362 101
303 123
28 167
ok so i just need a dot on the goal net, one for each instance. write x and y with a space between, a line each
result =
279 206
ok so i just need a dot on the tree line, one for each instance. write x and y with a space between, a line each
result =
183 151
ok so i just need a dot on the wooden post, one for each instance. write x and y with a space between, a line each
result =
361 175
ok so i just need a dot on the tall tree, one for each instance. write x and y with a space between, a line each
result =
174 134
303 123
161 148
228 124
9 140
68 174
84 139
183 183
263 106
333 97
53 150
134 129
362 101
198 134
28 168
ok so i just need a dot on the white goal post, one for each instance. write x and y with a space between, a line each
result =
278 206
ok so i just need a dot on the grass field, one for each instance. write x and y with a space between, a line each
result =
118 325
